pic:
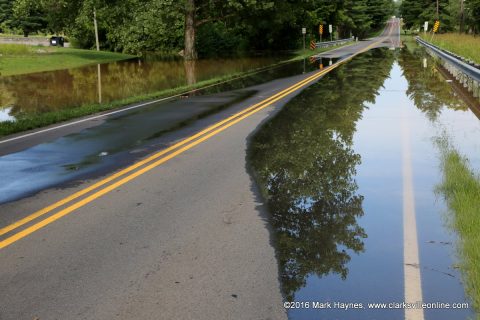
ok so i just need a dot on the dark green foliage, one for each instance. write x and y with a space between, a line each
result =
214 39
416 12
222 27
305 165
6 13
29 16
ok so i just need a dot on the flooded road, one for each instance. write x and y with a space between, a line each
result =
337 170
125 137
104 83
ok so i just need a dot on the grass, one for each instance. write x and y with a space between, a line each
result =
463 44
461 189
21 59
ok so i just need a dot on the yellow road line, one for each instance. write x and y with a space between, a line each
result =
82 192
228 122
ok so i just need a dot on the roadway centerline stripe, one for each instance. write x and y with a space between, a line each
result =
136 106
151 158
63 212
411 261
229 122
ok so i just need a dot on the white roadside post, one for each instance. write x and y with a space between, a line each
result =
304 31
330 29
425 27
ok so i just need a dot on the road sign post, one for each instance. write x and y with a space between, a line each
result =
435 29
304 31
330 29
425 27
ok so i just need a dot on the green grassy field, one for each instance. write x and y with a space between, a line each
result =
20 59
465 45
461 189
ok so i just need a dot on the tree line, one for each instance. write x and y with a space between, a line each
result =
454 15
199 27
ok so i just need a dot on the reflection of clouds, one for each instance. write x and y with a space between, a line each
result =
5 114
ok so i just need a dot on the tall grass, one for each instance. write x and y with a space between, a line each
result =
14 49
465 45
461 189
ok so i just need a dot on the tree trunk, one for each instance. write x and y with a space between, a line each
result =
190 52
190 72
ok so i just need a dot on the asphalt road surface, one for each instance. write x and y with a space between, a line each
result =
181 234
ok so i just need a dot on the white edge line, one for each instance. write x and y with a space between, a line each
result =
133 107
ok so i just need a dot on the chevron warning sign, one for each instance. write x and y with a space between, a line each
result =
436 25
313 45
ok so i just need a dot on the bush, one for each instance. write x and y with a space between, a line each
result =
215 39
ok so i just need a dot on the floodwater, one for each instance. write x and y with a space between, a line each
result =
330 167
103 83
125 137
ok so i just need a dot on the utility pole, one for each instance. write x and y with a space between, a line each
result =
96 28
462 16
438 16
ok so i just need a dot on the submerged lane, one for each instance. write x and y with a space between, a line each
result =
336 174
160 245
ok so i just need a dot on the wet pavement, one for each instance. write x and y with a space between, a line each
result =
330 166
29 166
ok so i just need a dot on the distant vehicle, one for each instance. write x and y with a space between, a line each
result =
57 41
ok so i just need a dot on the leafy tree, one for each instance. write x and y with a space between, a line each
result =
29 16
416 12
60 13
6 14
472 11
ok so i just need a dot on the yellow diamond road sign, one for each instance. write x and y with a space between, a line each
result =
320 29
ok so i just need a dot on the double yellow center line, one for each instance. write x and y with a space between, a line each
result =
103 187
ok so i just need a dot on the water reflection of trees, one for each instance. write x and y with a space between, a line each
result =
305 163
50 91
426 86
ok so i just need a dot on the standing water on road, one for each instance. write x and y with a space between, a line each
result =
334 170
55 90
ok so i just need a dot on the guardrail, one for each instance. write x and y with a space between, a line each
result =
467 67
327 44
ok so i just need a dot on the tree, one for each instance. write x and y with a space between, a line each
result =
416 12
29 16
472 11
6 14
59 14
